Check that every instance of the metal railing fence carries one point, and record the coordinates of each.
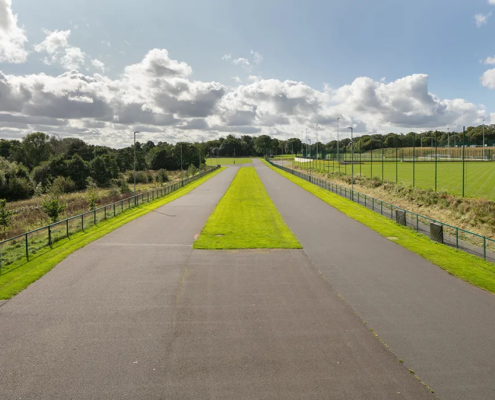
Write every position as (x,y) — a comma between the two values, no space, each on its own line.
(27,244)
(455,237)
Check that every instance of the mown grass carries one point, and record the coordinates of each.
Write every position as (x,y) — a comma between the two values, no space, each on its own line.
(21,273)
(228,161)
(246,218)
(479,177)
(472,269)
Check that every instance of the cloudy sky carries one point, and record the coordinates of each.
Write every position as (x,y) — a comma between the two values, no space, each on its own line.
(200,69)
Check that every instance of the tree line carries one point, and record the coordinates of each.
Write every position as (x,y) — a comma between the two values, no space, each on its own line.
(31,165)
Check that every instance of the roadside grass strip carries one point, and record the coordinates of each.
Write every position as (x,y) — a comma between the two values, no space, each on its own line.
(246,218)
(465,266)
(21,273)
(225,161)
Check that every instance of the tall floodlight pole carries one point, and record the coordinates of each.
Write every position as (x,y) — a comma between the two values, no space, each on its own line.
(317,141)
(311,162)
(483,153)
(338,144)
(302,143)
(306,132)
(352,162)
(135,166)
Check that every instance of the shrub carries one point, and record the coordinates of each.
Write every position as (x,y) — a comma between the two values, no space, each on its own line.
(15,183)
(114,190)
(141,177)
(162,176)
(192,170)
(92,198)
(124,187)
(4,217)
(53,207)
(63,185)
(38,190)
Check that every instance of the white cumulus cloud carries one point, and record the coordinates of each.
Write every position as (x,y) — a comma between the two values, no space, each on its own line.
(489,60)
(100,65)
(159,96)
(56,45)
(257,58)
(12,37)
(243,62)
(481,19)
(488,79)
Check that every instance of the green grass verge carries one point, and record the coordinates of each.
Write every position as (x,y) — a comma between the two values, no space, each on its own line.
(479,177)
(228,161)
(21,274)
(246,218)
(472,269)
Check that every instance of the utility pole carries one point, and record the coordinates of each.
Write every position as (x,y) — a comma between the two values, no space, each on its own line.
(135,166)
(483,153)
(317,141)
(352,162)
(338,144)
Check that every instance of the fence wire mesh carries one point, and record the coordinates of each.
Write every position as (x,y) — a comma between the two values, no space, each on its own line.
(453,236)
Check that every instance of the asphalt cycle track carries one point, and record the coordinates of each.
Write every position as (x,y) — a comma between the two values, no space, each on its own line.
(440,326)
(139,314)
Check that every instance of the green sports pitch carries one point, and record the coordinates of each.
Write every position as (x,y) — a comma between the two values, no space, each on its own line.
(479,177)
(227,161)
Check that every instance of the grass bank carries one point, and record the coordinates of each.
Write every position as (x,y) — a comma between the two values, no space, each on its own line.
(472,269)
(21,274)
(246,218)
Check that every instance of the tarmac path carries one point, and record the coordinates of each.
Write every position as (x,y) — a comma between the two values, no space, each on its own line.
(139,314)
(442,327)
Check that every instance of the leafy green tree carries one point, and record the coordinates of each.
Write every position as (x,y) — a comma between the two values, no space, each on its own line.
(293,145)
(15,182)
(158,158)
(262,144)
(190,155)
(91,194)
(4,217)
(78,170)
(103,169)
(53,208)
(162,176)
(52,205)
(230,146)
(192,170)
(124,187)
(37,148)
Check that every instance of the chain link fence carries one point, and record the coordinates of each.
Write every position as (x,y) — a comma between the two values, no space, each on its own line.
(453,236)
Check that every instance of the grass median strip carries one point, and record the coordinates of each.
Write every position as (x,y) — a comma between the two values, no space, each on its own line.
(246,218)
(472,269)
(21,274)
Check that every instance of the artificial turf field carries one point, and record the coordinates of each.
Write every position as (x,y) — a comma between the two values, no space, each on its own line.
(228,161)
(246,218)
(479,176)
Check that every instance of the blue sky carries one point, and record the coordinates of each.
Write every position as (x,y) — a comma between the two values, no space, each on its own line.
(324,44)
